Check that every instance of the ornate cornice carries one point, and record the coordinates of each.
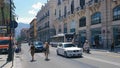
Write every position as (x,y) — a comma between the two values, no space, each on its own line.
(81,12)
(94,7)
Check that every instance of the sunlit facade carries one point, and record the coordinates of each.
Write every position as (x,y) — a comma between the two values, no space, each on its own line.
(95,20)
(98,21)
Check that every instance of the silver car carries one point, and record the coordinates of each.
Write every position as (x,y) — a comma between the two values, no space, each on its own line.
(69,50)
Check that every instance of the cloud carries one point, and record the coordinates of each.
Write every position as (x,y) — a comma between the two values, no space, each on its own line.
(37,6)
(26,20)
(32,12)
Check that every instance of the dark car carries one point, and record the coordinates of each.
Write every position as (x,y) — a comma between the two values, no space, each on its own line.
(38,46)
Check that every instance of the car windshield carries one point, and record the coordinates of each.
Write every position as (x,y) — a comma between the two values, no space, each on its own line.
(38,43)
(69,45)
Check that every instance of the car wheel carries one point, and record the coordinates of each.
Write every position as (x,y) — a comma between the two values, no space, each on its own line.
(58,53)
(65,54)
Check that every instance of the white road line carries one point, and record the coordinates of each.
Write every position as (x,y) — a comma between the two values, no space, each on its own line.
(101,60)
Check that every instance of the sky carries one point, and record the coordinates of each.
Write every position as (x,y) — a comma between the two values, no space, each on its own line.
(26,10)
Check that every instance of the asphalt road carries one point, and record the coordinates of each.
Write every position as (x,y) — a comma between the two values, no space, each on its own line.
(96,59)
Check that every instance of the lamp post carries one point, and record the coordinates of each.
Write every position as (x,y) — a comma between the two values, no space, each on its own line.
(10,50)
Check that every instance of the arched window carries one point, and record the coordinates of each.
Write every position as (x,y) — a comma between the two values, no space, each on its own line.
(82,22)
(96,18)
(72,6)
(65,11)
(116,13)
(65,27)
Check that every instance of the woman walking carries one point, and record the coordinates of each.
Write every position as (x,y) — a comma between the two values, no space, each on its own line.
(46,50)
(32,51)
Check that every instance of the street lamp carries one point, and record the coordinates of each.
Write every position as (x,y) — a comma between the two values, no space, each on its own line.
(10,50)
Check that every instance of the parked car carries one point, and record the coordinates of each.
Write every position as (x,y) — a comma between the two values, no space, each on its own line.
(69,50)
(38,46)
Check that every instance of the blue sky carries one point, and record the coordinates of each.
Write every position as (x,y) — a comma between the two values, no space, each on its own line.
(26,10)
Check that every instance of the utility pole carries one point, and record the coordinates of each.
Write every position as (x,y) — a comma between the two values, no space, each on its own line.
(10,49)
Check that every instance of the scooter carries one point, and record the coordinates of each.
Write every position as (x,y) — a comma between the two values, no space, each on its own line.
(87,50)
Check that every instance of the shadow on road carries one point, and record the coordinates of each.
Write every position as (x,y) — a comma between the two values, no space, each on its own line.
(32,60)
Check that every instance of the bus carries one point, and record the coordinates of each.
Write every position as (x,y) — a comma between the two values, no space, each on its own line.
(4,44)
(60,38)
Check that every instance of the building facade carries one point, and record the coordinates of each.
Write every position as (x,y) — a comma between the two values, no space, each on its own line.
(45,28)
(33,30)
(24,34)
(97,21)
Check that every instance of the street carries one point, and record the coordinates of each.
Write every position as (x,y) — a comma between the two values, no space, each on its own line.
(96,59)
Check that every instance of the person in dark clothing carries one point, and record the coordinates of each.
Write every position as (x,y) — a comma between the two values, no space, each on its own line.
(32,51)
(112,46)
(46,51)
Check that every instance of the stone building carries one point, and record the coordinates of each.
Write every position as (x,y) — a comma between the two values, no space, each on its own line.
(45,29)
(98,21)
(95,20)
(33,30)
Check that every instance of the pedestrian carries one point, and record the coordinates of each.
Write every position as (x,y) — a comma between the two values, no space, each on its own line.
(94,45)
(112,46)
(46,50)
(86,47)
(32,51)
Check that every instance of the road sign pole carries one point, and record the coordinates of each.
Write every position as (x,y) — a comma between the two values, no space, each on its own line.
(10,49)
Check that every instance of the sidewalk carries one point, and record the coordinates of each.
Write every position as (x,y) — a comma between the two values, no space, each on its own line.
(15,64)
(105,50)
(3,61)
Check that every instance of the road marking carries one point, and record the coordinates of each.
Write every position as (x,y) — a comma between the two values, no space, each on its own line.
(105,61)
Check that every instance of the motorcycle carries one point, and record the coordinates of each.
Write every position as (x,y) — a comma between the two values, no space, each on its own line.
(86,50)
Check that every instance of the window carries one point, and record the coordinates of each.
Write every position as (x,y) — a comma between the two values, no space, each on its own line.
(48,13)
(82,22)
(72,30)
(116,13)
(72,6)
(59,30)
(65,11)
(82,3)
(55,11)
(96,1)
(96,18)
(59,2)
(59,13)
(72,26)
(65,28)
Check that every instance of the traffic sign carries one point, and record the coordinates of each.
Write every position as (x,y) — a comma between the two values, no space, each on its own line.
(13,24)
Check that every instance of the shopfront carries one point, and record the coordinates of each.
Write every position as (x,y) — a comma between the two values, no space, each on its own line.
(96,39)
(82,37)
(116,34)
